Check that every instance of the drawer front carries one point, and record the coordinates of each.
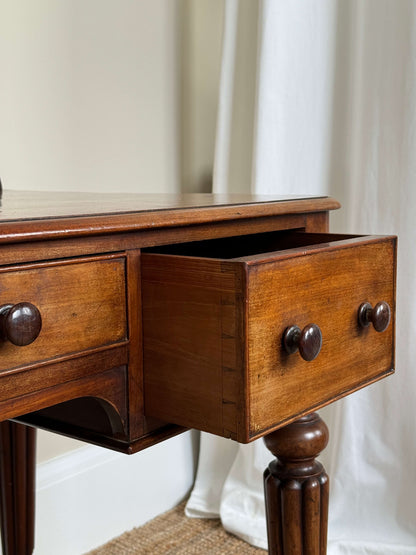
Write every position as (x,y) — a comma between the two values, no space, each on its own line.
(325,288)
(82,304)
(213,329)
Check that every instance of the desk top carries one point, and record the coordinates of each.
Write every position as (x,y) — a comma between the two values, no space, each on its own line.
(26,215)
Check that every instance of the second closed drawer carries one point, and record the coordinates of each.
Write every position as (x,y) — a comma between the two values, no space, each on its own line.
(215,315)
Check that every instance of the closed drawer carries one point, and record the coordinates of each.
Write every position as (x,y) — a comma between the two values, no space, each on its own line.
(81,302)
(215,314)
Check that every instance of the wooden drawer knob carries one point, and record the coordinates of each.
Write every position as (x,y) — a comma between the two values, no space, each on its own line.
(379,316)
(20,323)
(308,341)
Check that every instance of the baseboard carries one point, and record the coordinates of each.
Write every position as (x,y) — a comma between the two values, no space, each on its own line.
(91,495)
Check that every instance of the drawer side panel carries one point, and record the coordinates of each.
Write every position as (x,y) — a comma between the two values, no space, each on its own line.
(192,342)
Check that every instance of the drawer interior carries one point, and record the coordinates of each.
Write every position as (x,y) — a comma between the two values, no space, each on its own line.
(229,248)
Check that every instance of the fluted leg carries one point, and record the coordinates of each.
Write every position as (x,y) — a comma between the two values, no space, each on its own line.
(296,489)
(17,488)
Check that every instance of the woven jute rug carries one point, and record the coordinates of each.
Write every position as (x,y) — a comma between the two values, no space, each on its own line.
(174,533)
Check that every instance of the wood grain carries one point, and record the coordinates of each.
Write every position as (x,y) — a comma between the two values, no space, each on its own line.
(151,226)
(214,305)
(213,329)
(39,377)
(17,488)
(189,319)
(297,489)
(45,249)
(324,286)
(109,386)
(82,305)
(33,215)
(135,374)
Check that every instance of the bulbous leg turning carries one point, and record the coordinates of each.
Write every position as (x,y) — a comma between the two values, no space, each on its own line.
(297,489)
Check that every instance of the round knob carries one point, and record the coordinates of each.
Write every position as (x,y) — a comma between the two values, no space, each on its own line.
(308,341)
(20,323)
(379,316)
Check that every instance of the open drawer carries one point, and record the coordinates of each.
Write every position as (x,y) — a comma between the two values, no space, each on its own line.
(218,353)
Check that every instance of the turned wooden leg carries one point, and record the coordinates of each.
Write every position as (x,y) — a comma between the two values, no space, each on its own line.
(17,488)
(296,489)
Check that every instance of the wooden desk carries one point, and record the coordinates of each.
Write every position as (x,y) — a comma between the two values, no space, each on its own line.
(127,319)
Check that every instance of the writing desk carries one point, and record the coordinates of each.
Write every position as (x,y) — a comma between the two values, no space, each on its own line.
(126,319)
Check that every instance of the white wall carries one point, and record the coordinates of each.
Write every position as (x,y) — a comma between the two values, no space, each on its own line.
(201,29)
(89,95)
(91,495)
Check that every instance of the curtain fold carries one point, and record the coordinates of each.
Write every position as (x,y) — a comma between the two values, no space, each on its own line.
(332,110)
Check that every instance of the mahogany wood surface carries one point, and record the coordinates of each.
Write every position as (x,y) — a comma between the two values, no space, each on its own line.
(67,273)
(81,302)
(40,216)
(325,286)
(297,489)
(58,288)
(17,488)
(132,239)
(214,321)
(218,279)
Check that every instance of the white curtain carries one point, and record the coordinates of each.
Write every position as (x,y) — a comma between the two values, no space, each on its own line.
(328,105)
